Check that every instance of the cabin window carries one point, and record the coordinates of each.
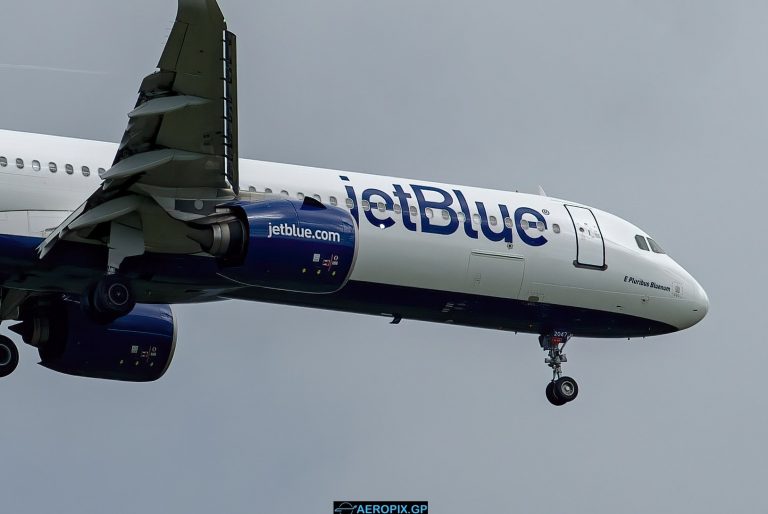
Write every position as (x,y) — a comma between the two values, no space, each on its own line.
(398,209)
(86,171)
(300,196)
(36,165)
(475,219)
(492,220)
(461,216)
(540,226)
(52,166)
(524,224)
(366,205)
(333,201)
(382,207)
(3,162)
(429,212)
(350,203)
(641,243)
(69,169)
(413,211)
(317,197)
(655,246)
(284,193)
(508,223)
(556,228)
(102,171)
(267,191)
(251,189)
(20,163)
(446,215)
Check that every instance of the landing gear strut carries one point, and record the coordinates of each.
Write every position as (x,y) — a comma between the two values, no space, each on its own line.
(561,389)
(9,356)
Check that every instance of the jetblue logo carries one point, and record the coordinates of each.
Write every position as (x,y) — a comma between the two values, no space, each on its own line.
(446,212)
(287,230)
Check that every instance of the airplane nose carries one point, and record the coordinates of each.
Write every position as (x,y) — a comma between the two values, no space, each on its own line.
(701,301)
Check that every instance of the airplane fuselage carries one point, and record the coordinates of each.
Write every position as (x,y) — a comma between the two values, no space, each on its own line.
(426,251)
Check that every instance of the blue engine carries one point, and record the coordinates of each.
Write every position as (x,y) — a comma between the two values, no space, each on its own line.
(293,246)
(135,348)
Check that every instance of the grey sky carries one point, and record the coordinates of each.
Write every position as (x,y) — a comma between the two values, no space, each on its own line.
(656,111)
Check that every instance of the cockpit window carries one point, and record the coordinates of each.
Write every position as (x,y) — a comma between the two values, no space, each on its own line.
(641,243)
(655,246)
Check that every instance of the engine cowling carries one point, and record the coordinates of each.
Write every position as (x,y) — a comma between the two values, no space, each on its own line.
(289,245)
(138,347)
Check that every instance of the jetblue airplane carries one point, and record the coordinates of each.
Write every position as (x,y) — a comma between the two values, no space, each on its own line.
(97,239)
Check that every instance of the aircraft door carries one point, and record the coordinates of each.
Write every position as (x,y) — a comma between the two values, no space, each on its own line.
(590,245)
(495,274)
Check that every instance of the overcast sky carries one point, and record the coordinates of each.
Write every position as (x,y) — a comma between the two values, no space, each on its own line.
(654,110)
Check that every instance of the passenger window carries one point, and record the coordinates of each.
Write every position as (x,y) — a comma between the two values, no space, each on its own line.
(102,171)
(382,206)
(3,162)
(366,205)
(300,196)
(524,224)
(540,226)
(52,166)
(284,193)
(333,201)
(69,169)
(413,211)
(655,246)
(86,171)
(317,197)
(429,212)
(36,165)
(20,163)
(508,223)
(475,219)
(350,203)
(251,189)
(641,242)
(446,215)
(492,220)
(556,228)
(461,216)
(268,191)
(398,209)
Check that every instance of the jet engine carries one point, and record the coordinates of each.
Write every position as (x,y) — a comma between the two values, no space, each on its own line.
(137,347)
(300,246)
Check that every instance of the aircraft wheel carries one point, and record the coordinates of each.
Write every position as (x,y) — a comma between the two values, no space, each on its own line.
(554,400)
(566,389)
(9,356)
(113,297)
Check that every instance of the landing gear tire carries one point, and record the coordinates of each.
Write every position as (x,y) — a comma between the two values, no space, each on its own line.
(554,400)
(9,356)
(111,298)
(565,389)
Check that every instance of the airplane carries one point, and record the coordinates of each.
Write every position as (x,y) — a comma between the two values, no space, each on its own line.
(97,239)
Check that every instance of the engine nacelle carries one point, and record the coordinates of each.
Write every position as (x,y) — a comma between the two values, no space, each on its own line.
(138,347)
(290,245)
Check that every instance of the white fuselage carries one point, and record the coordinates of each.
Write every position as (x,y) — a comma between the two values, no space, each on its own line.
(400,241)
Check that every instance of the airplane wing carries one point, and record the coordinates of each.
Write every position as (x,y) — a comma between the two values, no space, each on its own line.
(178,157)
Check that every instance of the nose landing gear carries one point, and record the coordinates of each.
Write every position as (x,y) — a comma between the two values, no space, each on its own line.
(561,389)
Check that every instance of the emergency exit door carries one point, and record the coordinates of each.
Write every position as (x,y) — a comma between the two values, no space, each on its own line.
(590,246)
